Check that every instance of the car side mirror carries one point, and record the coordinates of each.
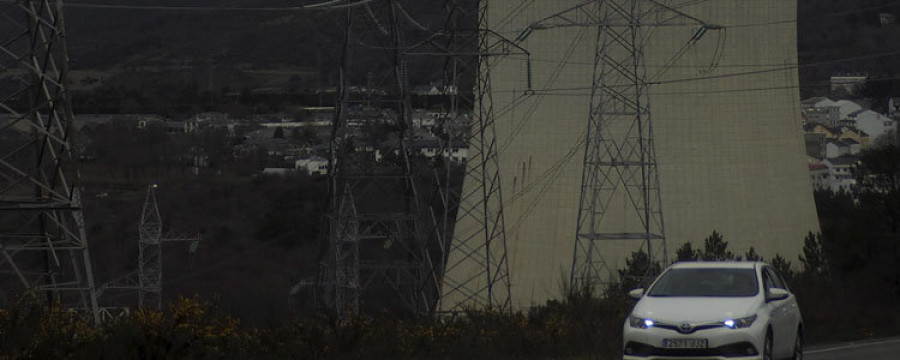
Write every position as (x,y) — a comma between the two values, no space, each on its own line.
(776,294)
(636,294)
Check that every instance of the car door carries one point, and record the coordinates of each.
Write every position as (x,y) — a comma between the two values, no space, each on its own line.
(791,310)
(782,329)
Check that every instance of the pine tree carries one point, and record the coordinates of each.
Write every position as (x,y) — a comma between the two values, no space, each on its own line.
(715,248)
(686,253)
(813,259)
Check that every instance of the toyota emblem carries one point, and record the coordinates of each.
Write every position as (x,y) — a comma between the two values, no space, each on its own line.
(685,327)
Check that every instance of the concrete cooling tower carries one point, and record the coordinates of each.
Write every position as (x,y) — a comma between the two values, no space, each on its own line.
(725,112)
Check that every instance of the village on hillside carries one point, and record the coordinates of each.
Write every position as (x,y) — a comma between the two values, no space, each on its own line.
(838,131)
(290,143)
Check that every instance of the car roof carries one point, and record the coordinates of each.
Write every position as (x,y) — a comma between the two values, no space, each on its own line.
(716,264)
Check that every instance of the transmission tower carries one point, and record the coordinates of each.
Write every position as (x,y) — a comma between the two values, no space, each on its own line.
(620,206)
(394,259)
(42,234)
(475,270)
(148,278)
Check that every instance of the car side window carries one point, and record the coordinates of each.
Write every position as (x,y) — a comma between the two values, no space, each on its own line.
(767,281)
(776,280)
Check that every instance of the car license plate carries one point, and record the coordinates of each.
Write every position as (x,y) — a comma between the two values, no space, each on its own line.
(685,343)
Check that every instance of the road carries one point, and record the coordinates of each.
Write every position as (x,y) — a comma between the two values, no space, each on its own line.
(884,349)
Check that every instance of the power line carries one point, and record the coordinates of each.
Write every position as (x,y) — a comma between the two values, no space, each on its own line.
(322,6)
(738,74)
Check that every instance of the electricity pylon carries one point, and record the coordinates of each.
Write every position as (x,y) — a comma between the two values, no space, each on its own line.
(42,233)
(474,271)
(394,260)
(148,278)
(620,204)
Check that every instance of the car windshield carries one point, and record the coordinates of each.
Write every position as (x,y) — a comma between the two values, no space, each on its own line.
(706,282)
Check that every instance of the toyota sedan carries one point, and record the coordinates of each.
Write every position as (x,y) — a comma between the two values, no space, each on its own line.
(715,310)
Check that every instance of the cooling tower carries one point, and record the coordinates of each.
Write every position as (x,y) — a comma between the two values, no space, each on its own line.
(726,123)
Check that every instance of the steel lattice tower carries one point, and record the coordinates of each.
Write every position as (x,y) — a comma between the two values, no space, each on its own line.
(479,238)
(620,205)
(620,158)
(147,279)
(394,265)
(150,253)
(346,253)
(42,231)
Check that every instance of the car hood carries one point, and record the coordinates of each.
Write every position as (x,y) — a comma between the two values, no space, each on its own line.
(694,309)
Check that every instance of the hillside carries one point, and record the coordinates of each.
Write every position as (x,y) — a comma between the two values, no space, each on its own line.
(841,37)
(223,48)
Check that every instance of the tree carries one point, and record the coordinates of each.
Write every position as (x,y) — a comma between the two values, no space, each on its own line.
(751,255)
(783,267)
(686,253)
(639,270)
(715,248)
(814,261)
(878,177)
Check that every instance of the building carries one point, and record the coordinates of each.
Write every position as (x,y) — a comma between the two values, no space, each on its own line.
(872,123)
(837,148)
(856,135)
(815,145)
(818,176)
(312,165)
(753,188)
(841,173)
(820,110)
(847,84)
(828,115)
(458,151)
(434,89)
(847,107)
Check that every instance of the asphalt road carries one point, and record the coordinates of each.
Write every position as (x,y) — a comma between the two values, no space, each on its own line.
(884,349)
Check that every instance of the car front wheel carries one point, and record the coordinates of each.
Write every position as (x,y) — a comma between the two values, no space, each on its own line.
(798,346)
(767,346)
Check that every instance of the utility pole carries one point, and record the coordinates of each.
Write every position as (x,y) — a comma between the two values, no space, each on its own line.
(43,241)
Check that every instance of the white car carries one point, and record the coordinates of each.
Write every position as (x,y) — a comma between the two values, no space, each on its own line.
(715,310)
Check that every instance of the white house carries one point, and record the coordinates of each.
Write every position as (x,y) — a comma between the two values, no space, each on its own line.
(826,115)
(818,175)
(313,165)
(872,123)
(847,107)
(817,102)
(458,151)
(836,148)
(840,173)
(822,110)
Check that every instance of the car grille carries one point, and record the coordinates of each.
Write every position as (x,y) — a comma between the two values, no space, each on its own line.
(691,328)
(730,350)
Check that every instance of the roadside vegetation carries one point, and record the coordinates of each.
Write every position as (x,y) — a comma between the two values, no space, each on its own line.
(837,305)
(847,280)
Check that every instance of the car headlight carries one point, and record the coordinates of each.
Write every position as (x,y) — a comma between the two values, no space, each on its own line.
(640,323)
(739,323)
